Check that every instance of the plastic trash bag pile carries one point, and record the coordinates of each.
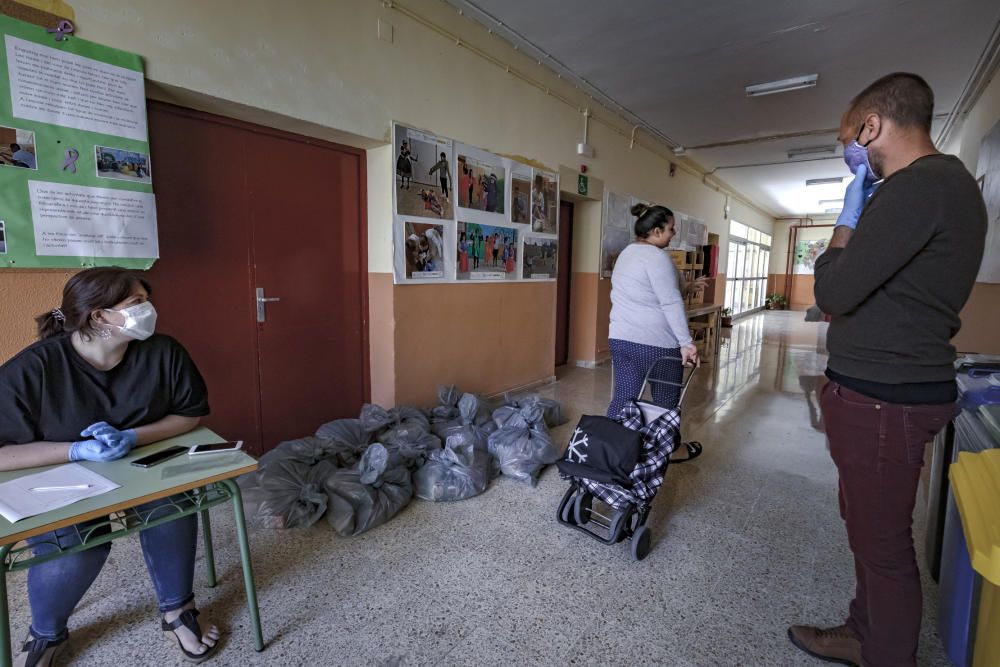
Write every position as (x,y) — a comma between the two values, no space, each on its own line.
(359,473)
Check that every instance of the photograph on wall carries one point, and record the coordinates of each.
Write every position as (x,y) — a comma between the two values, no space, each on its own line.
(122,165)
(424,250)
(486,252)
(806,254)
(480,184)
(424,184)
(988,170)
(545,203)
(540,258)
(615,240)
(520,195)
(17,148)
(3,239)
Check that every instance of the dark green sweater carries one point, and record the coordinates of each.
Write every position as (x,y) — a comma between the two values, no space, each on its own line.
(896,291)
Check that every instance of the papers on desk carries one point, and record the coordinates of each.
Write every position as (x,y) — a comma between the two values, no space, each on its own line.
(46,491)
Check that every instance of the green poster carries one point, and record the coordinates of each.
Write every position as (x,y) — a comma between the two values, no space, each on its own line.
(76,184)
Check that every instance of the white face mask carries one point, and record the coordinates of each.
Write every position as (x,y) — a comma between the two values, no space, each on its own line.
(140,320)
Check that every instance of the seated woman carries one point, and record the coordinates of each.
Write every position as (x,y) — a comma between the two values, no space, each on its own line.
(98,384)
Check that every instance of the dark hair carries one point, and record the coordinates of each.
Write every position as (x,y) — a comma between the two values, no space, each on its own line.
(648,218)
(443,156)
(904,98)
(15,147)
(87,291)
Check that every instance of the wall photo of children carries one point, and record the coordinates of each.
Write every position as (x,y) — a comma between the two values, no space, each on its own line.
(3,238)
(17,148)
(424,248)
(545,203)
(541,258)
(424,183)
(520,195)
(486,252)
(480,185)
(122,165)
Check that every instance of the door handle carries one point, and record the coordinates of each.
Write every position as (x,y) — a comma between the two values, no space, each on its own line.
(262,301)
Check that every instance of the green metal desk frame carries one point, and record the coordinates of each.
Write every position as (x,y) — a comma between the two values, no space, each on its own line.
(128,521)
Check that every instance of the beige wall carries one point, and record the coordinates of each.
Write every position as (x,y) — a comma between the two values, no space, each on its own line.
(321,69)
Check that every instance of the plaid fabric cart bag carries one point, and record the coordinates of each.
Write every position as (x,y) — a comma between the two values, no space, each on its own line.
(621,463)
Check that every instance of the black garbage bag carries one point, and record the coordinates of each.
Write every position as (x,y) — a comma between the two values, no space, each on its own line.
(367,495)
(447,408)
(310,450)
(467,427)
(349,437)
(286,494)
(523,446)
(402,422)
(551,409)
(457,472)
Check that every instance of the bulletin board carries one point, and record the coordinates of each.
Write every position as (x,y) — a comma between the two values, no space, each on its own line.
(465,214)
(76,181)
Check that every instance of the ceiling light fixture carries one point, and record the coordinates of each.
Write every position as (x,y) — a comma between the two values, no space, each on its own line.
(812,150)
(829,202)
(782,86)
(825,181)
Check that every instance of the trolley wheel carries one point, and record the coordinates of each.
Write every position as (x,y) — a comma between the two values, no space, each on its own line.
(581,510)
(640,543)
(566,507)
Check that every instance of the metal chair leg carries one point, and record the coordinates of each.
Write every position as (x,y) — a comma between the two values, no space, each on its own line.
(6,657)
(206,531)
(251,589)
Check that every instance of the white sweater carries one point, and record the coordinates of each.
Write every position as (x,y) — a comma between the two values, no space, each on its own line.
(646,302)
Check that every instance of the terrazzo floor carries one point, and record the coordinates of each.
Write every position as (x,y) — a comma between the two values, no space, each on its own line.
(747,540)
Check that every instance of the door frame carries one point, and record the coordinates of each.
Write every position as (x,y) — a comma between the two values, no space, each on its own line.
(362,198)
(566,247)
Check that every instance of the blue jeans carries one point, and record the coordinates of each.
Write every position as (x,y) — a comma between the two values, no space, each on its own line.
(57,586)
(630,363)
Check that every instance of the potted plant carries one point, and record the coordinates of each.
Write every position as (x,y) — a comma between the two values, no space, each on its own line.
(727,317)
(776,302)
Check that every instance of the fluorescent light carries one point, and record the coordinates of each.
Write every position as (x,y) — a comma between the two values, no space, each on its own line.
(825,181)
(826,202)
(782,86)
(812,150)
(835,210)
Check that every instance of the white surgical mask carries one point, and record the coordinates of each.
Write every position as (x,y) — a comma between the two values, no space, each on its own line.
(140,320)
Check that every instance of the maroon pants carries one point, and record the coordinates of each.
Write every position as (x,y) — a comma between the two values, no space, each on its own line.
(878,448)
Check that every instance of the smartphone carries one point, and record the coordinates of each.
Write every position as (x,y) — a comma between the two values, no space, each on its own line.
(216,448)
(159,457)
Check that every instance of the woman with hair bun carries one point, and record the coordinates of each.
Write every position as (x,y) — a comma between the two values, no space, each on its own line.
(648,320)
(98,384)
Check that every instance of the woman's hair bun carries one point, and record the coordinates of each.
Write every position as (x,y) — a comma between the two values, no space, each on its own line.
(639,210)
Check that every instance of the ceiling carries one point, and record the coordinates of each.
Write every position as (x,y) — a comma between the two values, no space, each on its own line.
(681,66)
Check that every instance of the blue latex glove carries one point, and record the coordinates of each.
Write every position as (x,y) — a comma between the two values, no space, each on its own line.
(857,194)
(95,450)
(111,436)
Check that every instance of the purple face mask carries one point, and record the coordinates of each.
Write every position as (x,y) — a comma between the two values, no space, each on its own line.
(856,155)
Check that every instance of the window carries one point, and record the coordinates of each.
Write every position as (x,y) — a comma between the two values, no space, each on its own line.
(749,260)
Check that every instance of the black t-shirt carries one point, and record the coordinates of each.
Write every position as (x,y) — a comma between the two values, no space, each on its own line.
(48,392)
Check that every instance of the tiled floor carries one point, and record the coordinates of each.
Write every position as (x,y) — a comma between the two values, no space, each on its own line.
(747,539)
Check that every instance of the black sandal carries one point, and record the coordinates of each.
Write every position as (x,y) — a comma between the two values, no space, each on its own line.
(693,449)
(189,620)
(39,652)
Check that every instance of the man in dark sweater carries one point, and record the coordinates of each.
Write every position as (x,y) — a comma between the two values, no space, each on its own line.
(903,259)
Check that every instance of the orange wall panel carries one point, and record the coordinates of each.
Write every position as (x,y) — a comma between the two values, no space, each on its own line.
(603,319)
(484,338)
(583,317)
(24,294)
(381,341)
(981,321)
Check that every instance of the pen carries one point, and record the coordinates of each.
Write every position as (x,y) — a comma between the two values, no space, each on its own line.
(61,488)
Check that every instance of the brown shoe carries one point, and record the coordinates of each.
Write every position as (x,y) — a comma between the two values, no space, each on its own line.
(838,644)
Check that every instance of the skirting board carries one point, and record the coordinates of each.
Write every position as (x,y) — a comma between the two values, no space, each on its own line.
(582,363)
(526,387)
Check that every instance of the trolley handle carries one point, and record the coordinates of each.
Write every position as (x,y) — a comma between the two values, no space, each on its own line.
(683,385)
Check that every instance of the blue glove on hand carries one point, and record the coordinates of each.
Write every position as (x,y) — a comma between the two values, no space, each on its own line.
(857,194)
(95,450)
(109,435)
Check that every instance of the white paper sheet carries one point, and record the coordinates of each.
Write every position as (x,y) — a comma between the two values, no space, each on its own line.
(18,501)
(77,221)
(52,86)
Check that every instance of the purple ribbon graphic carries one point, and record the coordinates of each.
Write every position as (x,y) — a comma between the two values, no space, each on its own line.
(62,30)
(72,155)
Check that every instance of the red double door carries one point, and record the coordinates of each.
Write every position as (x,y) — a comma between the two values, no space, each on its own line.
(245,212)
